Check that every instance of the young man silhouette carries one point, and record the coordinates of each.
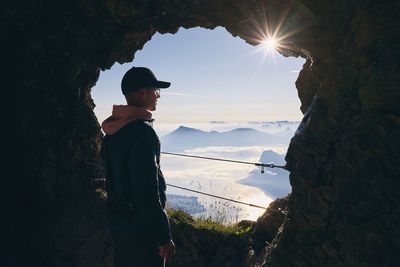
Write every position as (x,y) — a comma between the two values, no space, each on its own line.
(135,185)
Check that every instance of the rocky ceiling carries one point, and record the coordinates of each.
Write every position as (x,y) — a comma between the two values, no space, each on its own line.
(344,158)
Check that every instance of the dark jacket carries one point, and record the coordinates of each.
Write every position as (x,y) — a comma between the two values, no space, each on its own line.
(135,184)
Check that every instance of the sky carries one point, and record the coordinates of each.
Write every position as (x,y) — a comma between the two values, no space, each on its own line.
(214,77)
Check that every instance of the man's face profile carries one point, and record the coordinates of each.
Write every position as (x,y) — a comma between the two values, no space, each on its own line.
(148,98)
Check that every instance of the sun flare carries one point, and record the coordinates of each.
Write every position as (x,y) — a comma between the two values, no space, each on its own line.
(270,44)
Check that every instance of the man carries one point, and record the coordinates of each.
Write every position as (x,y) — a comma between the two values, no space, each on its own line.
(135,185)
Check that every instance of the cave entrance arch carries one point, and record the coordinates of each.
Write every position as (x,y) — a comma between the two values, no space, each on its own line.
(256,83)
(246,20)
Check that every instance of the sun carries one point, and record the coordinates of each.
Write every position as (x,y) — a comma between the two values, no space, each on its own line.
(270,44)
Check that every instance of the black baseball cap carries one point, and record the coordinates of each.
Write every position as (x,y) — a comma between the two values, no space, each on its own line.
(140,77)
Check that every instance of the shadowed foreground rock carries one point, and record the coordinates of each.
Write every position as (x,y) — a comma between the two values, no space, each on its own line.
(344,158)
(206,247)
(268,224)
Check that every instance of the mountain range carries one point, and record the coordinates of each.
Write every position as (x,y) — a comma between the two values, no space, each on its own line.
(186,138)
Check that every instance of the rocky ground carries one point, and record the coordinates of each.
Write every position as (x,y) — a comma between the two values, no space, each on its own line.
(207,245)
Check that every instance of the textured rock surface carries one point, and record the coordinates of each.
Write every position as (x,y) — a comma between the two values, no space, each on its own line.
(268,224)
(343,210)
(205,247)
(265,230)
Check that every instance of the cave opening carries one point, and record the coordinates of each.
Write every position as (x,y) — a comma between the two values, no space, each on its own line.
(219,84)
(343,158)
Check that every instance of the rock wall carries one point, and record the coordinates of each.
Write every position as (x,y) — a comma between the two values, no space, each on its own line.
(343,159)
(204,246)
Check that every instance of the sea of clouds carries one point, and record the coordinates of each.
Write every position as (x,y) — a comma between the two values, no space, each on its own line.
(235,181)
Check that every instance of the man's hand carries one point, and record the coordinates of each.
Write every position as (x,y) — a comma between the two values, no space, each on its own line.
(167,251)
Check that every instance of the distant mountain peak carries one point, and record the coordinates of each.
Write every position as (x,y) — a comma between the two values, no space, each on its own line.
(184,128)
(187,130)
(269,156)
(243,130)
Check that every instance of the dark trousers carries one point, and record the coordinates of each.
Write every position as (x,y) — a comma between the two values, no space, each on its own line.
(132,245)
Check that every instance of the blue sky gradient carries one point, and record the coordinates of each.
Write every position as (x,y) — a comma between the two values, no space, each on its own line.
(214,76)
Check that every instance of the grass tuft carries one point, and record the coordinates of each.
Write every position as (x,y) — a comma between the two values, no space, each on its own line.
(209,224)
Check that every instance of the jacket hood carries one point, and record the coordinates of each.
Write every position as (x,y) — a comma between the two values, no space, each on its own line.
(122,115)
